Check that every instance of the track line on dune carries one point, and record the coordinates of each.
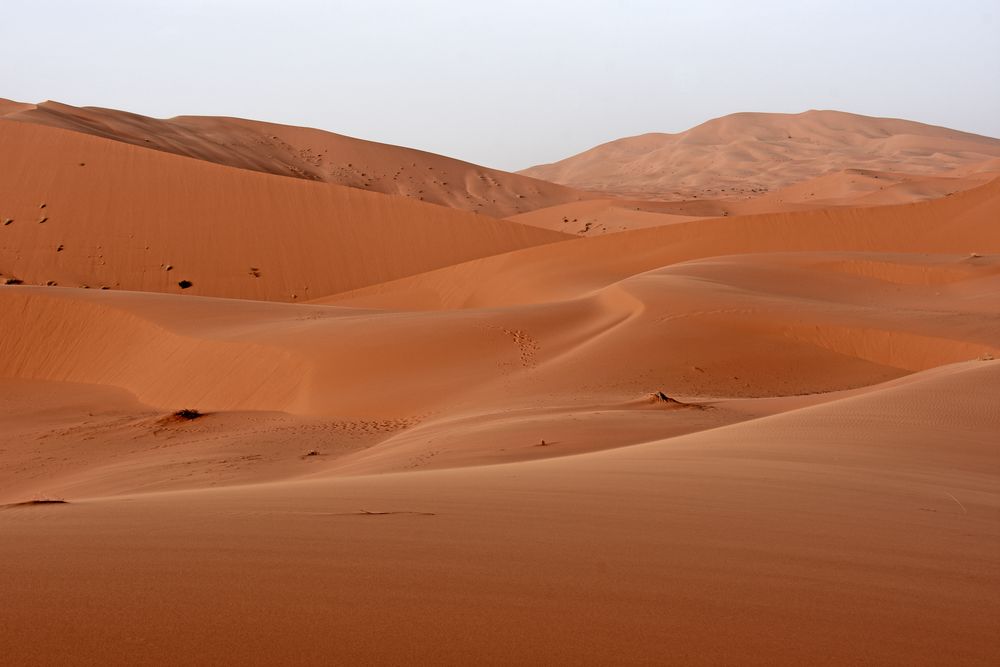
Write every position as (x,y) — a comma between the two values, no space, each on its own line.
(964,511)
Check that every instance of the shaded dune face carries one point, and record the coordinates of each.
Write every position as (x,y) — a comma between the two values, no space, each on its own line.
(89,211)
(309,154)
(710,431)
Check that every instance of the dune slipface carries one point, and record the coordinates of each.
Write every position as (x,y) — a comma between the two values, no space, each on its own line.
(309,154)
(557,428)
(120,216)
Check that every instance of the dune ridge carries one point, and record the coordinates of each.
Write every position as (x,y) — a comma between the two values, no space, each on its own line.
(309,154)
(88,211)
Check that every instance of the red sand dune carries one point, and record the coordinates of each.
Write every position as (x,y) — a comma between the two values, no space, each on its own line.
(739,431)
(309,154)
(88,211)
(962,224)
(744,154)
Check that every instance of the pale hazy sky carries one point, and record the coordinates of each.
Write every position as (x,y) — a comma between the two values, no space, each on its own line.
(508,83)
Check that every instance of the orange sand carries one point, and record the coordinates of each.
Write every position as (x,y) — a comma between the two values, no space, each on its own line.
(435,435)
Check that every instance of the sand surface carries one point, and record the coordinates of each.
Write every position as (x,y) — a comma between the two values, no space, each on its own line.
(567,428)
(309,154)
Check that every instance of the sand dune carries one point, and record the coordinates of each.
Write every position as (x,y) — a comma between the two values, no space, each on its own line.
(309,154)
(962,224)
(88,211)
(306,358)
(594,217)
(746,154)
(849,188)
(732,545)
(739,428)
(577,374)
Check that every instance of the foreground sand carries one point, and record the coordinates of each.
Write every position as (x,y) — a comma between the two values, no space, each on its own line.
(759,432)
(863,530)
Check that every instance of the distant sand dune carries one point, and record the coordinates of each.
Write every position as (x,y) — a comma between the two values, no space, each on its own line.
(744,154)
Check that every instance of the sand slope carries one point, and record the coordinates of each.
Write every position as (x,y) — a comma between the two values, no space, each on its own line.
(89,211)
(745,154)
(468,387)
(665,328)
(309,154)
(962,224)
(711,431)
(858,540)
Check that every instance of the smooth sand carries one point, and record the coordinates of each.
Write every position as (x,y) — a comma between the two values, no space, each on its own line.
(436,436)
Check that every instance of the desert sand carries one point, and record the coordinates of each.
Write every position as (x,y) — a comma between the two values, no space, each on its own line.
(655,411)
(747,153)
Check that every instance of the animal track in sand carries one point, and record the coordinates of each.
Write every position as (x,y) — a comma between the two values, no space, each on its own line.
(422,459)
(370,513)
(368,426)
(360,512)
(527,345)
(317,315)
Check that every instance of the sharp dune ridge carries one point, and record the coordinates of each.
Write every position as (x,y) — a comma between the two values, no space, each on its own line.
(308,154)
(728,396)
(126,217)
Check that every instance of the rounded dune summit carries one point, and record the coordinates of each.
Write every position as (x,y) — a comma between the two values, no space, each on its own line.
(744,154)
